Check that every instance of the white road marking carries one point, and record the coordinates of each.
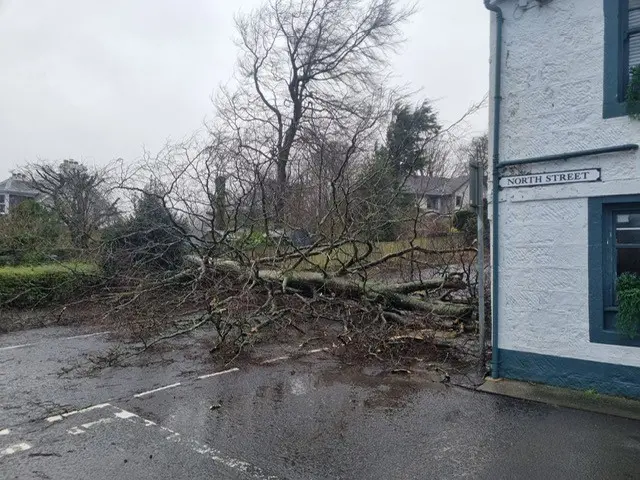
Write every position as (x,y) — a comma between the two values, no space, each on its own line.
(5,431)
(287,357)
(96,422)
(18,447)
(17,346)
(84,336)
(218,373)
(12,347)
(203,449)
(142,394)
(277,359)
(317,350)
(170,435)
(124,414)
(232,463)
(56,418)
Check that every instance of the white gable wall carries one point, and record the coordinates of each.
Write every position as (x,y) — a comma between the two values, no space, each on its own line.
(463,192)
(552,103)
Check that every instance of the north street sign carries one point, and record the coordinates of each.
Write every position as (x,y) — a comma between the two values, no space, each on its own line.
(551,178)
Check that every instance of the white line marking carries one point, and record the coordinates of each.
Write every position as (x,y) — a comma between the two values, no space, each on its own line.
(75,431)
(230,462)
(218,373)
(17,346)
(124,414)
(96,422)
(317,350)
(12,347)
(84,336)
(18,447)
(273,360)
(203,449)
(5,431)
(56,418)
(142,394)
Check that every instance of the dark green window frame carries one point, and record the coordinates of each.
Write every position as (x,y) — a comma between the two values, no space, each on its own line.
(616,57)
(602,274)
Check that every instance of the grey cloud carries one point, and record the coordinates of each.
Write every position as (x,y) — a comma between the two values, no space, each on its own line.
(97,80)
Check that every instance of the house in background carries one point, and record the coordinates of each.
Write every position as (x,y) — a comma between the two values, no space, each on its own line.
(439,194)
(14,191)
(565,191)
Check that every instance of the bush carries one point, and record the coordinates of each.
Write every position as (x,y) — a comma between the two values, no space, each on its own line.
(628,321)
(150,240)
(27,286)
(465,222)
(633,94)
(8,260)
(29,234)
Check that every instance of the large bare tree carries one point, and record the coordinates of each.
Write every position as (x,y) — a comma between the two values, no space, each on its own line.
(292,147)
(78,195)
(304,62)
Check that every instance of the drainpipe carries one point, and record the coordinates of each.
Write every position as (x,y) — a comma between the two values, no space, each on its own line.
(497,99)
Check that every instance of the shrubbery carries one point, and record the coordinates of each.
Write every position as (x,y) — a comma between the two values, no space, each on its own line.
(149,240)
(31,286)
(628,321)
(30,234)
(465,221)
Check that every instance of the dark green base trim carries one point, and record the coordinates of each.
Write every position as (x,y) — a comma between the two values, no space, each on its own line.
(606,378)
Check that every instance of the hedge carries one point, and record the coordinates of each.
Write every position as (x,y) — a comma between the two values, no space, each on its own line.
(31,286)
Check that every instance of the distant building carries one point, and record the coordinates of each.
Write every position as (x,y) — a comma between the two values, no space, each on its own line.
(14,191)
(439,194)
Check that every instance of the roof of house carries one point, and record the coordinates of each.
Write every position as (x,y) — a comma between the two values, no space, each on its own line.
(17,184)
(423,185)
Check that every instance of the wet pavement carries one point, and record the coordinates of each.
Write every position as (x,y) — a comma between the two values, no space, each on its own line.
(166,416)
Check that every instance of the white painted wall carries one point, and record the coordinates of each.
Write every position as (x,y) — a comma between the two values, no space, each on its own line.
(552,103)
(463,192)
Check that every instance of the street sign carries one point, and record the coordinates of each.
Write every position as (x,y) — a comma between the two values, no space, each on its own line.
(551,178)
(476,184)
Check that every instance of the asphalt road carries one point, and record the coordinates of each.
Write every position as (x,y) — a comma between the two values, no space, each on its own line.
(173,414)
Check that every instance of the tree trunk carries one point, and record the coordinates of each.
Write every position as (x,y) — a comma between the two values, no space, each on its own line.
(220,220)
(392,294)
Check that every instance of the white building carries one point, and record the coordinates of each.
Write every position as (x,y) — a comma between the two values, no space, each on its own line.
(440,194)
(566,178)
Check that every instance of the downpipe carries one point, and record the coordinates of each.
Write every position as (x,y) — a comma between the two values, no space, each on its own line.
(495,180)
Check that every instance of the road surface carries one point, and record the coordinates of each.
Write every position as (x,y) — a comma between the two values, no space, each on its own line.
(174,414)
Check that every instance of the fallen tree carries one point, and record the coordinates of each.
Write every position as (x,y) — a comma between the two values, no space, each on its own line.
(294,210)
(390,294)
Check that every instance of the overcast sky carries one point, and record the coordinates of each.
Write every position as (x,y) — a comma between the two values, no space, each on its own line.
(96,80)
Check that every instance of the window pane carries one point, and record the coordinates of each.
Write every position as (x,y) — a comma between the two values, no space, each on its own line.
(634,50)
(634,18)
(628,236)
(634,4)
(628,228)
(628,260)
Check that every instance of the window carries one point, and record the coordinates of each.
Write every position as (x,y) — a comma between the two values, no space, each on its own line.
(458,201)
(621,52)
(433,203)
(3,208)
(614,248)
